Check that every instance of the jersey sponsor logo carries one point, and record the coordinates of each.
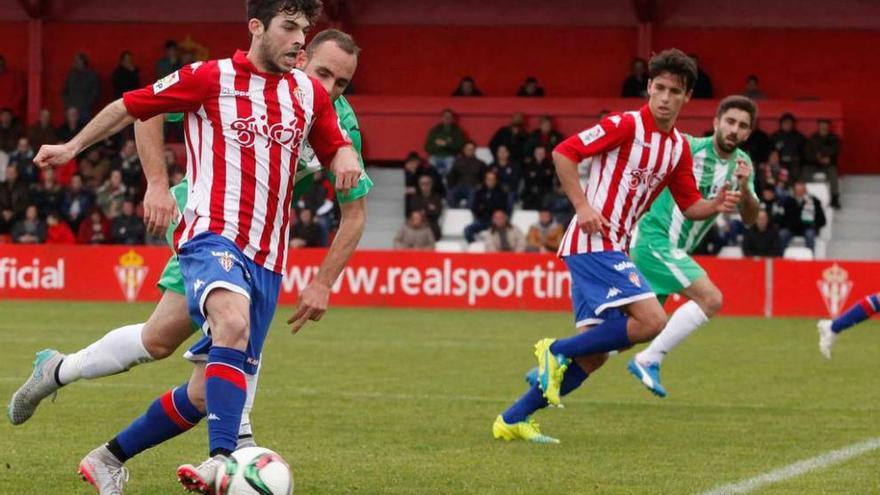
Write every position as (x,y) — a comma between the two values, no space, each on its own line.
(234,92)
(623,265)
(198,285)
(166,82)
(835,288)
(635,279)
(213,417)
(640,177)
(130,273)
(247,129)
(591,134)
(613,292)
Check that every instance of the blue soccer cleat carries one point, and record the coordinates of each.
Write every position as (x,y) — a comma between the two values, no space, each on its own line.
(648,375)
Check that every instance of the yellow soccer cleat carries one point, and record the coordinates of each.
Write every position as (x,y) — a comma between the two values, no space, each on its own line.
(527,430)
(551,369)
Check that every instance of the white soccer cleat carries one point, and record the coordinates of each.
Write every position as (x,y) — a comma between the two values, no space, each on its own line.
(103,470)
(38,386)
(201,479)
(826,337)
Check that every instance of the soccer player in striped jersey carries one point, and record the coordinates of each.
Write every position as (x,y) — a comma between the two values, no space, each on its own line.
(247,119)
(665,238)
(859,312)
(635,155)
(331,57)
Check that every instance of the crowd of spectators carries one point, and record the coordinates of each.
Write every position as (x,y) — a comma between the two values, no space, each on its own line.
(97,197)
(94,199)
(520,173)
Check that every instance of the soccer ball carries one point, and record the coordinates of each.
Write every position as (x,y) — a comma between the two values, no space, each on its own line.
(255,471)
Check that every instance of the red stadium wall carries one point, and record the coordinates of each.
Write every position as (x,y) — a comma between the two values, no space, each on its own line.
(755,287)
(428,60)
(14,45)
(825,64)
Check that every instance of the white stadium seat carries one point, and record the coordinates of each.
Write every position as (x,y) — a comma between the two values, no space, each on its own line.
(799,253)
(523,219)
(731,252)
(449,246)
(821,191)
(484,154)
(454,222)
(476,247)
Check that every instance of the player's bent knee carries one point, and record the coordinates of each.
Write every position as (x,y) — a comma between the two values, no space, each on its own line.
(652,324)
(157,350)
(712,303)
(229,329)
(157,346)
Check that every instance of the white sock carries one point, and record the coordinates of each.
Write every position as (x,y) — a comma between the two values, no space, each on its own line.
(113,353)
(245,429)
(682,323)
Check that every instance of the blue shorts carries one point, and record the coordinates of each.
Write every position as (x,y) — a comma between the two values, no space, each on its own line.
(603,282)
(209,262)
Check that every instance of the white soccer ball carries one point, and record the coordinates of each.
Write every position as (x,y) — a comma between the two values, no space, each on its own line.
(255,471)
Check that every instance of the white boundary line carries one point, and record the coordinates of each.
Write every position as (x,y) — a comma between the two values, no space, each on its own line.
(799,468)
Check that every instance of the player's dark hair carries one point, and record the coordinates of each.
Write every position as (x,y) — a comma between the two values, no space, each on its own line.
(266,10)
(740,103)
(675,62)
(343,40)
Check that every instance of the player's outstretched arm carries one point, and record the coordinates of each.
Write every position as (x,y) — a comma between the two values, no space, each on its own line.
(159,205)
(313,301)
(112,119)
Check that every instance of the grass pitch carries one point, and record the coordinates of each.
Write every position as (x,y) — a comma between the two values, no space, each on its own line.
(402,401)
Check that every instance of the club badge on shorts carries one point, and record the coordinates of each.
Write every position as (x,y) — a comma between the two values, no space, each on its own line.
(226,260)
(634,278)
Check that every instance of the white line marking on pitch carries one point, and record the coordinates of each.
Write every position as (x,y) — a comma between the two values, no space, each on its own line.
(799,468)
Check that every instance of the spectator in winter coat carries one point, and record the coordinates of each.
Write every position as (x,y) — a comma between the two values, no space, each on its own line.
(415,233)
(762,239)
(804,216)
(464,177)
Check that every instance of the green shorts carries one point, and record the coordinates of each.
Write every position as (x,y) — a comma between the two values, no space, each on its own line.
(669,270)
(171,278)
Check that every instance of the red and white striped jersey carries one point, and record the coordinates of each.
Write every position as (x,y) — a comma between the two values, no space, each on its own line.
(244,131)
(632,161)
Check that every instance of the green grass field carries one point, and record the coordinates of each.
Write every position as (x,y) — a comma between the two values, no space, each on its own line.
(402,401)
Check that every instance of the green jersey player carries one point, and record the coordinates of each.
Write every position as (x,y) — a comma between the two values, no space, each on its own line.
(331,58)
(665,239)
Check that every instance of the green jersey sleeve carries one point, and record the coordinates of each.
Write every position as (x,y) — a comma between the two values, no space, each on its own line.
(179,193)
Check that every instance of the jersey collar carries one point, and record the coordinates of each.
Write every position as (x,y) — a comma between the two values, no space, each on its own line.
(651,126)
(240,59)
